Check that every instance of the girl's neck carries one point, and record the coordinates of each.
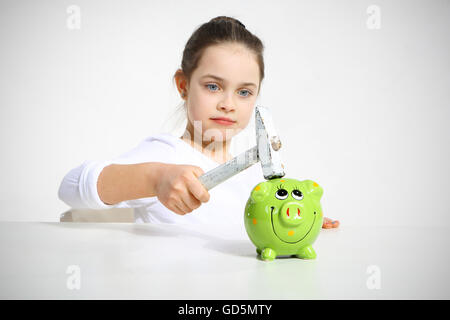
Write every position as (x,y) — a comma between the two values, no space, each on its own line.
(216,150)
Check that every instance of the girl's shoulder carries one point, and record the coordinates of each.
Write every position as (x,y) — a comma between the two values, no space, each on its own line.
(165,141)
(168,142)
(160,147)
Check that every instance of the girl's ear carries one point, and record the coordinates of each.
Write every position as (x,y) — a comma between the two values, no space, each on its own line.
(260,191)
(312,188)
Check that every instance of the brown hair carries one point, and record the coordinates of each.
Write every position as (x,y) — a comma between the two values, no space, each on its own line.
(220,30)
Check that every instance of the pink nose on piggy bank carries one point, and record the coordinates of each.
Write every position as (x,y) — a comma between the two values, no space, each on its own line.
(291,214)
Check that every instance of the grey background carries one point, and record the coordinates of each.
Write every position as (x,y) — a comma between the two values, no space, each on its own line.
(364,112)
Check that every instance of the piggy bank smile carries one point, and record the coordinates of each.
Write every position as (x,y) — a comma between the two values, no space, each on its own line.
(289,225)
(284,217)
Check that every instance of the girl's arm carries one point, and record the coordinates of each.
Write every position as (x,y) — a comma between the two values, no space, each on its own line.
(103,185)
(176,186)
(120,182)
(78,188)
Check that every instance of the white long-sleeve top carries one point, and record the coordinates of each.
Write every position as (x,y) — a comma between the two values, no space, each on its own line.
(227,201)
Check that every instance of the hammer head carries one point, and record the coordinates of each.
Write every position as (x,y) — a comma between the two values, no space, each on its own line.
(268,144)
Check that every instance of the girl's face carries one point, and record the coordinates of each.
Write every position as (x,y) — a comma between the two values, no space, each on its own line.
(224,85)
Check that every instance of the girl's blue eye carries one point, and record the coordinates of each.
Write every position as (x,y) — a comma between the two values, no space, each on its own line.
(248,93)
(212,84)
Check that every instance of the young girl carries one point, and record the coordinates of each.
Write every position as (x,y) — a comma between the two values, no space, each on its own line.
(220,77)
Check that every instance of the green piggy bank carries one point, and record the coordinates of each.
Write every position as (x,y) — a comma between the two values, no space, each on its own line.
(284,217)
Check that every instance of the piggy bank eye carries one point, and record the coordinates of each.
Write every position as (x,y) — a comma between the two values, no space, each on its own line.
(281,194)
(297,195)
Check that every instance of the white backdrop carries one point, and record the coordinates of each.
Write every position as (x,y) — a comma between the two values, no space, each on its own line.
(359,91)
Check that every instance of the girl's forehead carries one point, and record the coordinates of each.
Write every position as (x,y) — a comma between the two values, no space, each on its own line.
(229,62)
(226,53)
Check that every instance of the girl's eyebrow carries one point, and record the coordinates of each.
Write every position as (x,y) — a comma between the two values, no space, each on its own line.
(220,79)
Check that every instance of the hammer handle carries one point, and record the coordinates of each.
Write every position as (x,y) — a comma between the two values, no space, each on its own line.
(228,169)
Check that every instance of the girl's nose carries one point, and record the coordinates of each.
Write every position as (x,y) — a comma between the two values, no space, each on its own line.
(226,104)
(225,107)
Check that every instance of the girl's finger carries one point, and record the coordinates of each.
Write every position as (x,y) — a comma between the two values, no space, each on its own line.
(183,206)
(198,190)
(179,209)
(174,209)
(197,171)
(191,201)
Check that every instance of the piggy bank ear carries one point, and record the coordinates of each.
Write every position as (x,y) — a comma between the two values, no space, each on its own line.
(312,188)
(260,191)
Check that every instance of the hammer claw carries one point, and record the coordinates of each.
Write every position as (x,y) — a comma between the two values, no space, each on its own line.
(269,144)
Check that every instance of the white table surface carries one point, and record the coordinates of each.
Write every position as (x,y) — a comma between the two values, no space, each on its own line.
(145,261)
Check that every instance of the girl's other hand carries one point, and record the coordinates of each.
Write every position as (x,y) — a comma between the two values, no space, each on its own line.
(179,189)
(328,223)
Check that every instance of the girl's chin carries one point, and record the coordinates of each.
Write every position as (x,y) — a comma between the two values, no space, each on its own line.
(221,131)
(217,135)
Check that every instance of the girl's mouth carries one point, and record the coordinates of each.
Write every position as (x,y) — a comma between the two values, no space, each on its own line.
(223,121)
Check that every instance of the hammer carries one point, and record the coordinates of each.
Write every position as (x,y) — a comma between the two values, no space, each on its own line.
(266,151)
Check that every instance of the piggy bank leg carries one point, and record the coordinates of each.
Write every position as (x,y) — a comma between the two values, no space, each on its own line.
(306,253)
(258,251)
(268,254)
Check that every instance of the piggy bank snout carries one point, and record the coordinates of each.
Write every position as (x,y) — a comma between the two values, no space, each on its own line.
(291,213)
